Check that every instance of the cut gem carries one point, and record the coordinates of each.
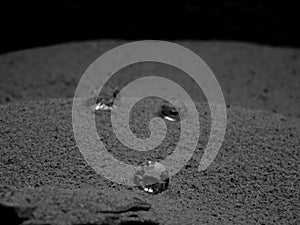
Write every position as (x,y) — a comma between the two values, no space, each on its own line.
(173,113)
(169,113)
(101,106)
(107,99)
(152,178)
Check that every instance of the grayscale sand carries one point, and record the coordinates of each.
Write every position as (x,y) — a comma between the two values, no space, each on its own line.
(252,76)
(255,178)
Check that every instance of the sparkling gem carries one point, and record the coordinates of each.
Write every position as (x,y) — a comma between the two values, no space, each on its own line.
(173,113)
(152,178)
(101,106)
(169,113)
(106,100)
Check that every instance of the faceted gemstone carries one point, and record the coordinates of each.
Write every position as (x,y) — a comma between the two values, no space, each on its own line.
(173,113)
(152,178)
(169,113)
(101,106)
(106,100)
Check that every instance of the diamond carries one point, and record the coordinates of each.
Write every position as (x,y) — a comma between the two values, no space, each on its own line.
(105,101)
(169,113)
(173,113)
(101,106)
(152,178)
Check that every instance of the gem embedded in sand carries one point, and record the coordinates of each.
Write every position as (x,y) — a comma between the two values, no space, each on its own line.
(105,101)
(152,178)
(169,113)
(173,113)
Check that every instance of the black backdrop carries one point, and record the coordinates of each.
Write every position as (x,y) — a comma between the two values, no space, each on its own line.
(26,24)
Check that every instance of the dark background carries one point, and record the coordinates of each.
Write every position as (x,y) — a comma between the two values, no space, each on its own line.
(28,24)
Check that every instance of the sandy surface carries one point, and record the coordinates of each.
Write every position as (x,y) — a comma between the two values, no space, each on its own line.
(255,178)
(253,76)
(45,180)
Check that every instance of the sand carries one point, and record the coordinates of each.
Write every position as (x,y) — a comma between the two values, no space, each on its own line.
(252,76)
(254,179)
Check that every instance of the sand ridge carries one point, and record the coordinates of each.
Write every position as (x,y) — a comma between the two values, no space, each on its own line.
(250,75)
(254,179)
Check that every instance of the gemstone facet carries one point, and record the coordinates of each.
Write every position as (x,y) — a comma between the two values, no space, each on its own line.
(152,178)
(101,106)
(173,113)
(107,99)
(169,113)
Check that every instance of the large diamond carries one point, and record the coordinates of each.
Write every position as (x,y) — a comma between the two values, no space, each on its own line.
(152,178)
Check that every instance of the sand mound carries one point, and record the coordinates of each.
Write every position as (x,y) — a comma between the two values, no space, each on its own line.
(45,180)
(252,76)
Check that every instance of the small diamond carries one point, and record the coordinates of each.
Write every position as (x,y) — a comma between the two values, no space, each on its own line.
(107,99)
(101,106)
(169,113)
(173,113)
(152,178)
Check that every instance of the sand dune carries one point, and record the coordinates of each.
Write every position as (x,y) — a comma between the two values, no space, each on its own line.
(253,180)
(252,76)
(45,180)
